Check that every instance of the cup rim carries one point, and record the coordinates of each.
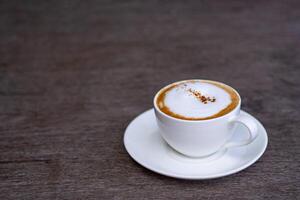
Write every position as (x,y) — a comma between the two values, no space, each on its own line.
(200,120)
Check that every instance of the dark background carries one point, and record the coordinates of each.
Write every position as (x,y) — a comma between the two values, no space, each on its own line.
(73,74)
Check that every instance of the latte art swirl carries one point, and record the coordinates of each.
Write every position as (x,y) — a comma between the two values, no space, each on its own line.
(197,100)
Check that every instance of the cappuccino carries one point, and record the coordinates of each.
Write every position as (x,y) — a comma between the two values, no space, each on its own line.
(197,100)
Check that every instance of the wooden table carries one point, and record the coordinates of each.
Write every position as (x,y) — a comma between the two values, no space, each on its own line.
(73,74)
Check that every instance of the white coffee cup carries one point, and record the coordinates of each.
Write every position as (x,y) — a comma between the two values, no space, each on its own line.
(201,138)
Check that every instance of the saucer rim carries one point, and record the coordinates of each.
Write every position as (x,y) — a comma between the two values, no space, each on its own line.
(195,177)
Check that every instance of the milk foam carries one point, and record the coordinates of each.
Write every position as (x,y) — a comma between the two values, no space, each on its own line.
(180,100)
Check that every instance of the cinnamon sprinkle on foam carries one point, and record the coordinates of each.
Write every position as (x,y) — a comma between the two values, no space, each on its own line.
(202,98)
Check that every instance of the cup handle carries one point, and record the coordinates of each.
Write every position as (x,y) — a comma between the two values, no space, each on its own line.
(251,125)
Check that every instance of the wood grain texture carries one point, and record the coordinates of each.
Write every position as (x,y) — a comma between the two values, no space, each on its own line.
(73,74)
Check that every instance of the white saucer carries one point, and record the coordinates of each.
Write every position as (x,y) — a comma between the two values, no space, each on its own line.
(145,145)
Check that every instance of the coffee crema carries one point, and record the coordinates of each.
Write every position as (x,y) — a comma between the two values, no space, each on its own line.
(197,99)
